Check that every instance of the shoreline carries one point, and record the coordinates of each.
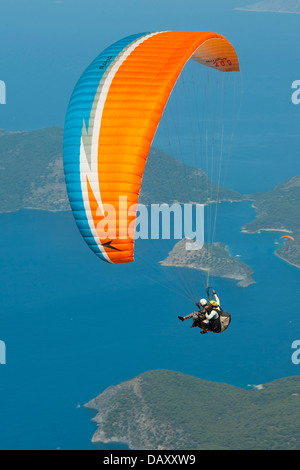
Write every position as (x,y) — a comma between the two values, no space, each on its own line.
(243,230)
(140,437)
(206,203)
(34,209)
(269,11)
(275,252)
(241,282)
(286,261)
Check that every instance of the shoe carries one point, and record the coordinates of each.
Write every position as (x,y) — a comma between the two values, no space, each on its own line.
(181,318)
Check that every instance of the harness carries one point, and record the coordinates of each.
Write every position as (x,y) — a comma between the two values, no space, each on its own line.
(223,320)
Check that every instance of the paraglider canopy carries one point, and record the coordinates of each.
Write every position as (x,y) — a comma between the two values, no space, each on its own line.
(287,236)
(112,117)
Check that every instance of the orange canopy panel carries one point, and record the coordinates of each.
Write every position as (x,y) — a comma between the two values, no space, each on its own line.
(112,117)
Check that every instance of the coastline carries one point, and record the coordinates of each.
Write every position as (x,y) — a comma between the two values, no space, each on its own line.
(243,230)
(141,427)
(285,260)
(269,11)
(34,209)
(241,281)
(275,251)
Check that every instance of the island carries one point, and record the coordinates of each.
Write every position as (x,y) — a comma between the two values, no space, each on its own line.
(274,6)
(155,411)
(216,256)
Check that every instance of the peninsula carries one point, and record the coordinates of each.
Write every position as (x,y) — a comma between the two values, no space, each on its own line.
(154,411)
(32,175)
(273,6)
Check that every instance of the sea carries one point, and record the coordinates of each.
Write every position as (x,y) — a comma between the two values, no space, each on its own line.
(74,325)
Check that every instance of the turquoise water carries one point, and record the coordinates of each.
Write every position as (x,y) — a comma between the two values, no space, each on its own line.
(74,325)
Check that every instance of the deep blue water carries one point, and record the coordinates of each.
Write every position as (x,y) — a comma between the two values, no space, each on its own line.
(74,325)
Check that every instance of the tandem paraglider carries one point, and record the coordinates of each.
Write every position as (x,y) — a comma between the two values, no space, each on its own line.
(113,115)
(210,316)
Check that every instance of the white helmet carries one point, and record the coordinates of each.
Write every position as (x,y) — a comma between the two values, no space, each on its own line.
(203,302)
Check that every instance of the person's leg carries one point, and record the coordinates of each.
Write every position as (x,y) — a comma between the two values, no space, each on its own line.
(204,327)
(191,315)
